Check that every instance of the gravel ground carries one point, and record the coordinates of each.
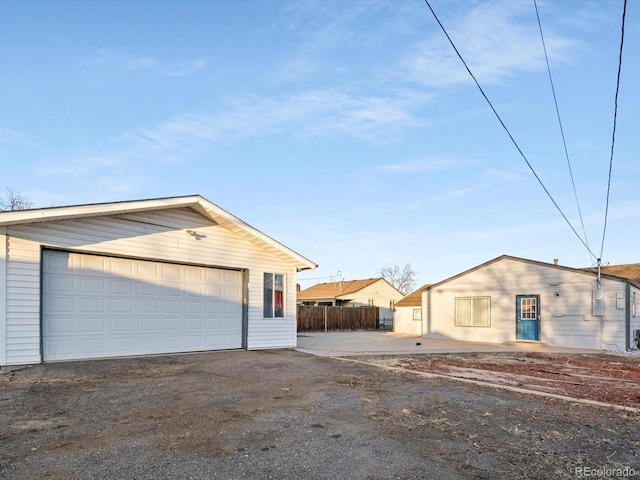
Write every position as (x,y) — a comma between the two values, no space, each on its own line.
(286,415)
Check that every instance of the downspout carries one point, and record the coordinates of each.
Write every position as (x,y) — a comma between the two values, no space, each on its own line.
(627,316)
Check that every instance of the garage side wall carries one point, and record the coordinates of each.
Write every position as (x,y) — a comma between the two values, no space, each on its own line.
(565,306)
(160,236)
(3,296)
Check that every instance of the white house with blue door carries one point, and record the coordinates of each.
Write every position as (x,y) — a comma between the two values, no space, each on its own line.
(514,299)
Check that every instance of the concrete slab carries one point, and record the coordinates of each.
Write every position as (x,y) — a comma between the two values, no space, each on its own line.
(344,344)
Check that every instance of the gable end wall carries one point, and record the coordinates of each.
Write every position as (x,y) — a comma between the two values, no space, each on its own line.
(566,318)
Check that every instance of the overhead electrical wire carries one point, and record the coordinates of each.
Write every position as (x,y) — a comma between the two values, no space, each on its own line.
(613,135)
(564,142)
(507,130)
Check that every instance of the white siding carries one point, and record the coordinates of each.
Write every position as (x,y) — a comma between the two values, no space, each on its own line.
(158,235)
(382,293)
(3,296)
(566,318)
(403,321)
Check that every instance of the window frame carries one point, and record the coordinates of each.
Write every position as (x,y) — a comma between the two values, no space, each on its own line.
(417,314)
(272,306)
(473,320)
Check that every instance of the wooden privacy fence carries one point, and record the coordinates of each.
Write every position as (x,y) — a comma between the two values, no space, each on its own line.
(321,319)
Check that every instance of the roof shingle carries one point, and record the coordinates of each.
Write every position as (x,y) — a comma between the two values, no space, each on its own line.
(414,299)
(335,289)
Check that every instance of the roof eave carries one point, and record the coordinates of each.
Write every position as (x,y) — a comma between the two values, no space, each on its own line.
(196,202)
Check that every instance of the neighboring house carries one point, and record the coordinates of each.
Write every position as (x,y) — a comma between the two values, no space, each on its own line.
(513,299)
(407,317)
(375,292)
(141,277)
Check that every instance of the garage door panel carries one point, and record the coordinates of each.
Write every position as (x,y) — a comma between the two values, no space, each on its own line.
(172,323)
(59,283)
(147,289)
(119,325)
(171,307)
(122,306)
(170,291)
(123,268)
(92,263)
(170,273)
(122,346)
(171,344)
(102,307)
(193,307)
(60,304)
(92,305)
(90,285)
(93,325)
(213,277)
(213,307)
(121,287)
(61,325)
(59,348)
(147,270)
(147,324)
(193,275)
(214,324)
(230,308)
(147,306)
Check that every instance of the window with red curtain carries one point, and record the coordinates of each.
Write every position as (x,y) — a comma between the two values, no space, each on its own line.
(273,295)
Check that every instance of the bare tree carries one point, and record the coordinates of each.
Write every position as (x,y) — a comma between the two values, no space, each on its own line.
(14,200)
(403,279)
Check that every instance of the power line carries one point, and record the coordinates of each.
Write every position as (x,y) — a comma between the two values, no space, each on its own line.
(613,135)
(564,142)
(507,130)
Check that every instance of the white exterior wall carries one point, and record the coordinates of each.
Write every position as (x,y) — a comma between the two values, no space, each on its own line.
(3,296)
(156,236)
(382,294)
(403,321)
(565,320)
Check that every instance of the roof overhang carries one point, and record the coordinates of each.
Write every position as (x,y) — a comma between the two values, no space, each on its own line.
(195,202)
(581,271)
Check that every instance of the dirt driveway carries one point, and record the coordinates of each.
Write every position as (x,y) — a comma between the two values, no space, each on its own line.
(287,415)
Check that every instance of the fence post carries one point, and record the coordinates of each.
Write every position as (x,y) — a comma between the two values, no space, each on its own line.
(325,319)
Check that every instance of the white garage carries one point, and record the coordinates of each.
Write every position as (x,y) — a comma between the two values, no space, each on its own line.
(137,278)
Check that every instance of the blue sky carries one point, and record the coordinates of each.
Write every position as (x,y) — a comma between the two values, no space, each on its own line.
(347,130)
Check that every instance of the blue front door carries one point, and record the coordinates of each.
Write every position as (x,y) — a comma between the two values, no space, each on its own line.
(528,317)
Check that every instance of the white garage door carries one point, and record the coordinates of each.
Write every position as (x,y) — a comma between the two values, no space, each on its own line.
(97,306)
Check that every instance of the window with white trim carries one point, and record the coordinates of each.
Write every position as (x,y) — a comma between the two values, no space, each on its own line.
(273,306)
(473,312)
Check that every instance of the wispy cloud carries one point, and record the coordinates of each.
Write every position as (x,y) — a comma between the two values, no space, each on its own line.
(104,177)
(183,69)
(81,163)
(422,165)
(13,137)
(313,114)
(150,64)
(495,41)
